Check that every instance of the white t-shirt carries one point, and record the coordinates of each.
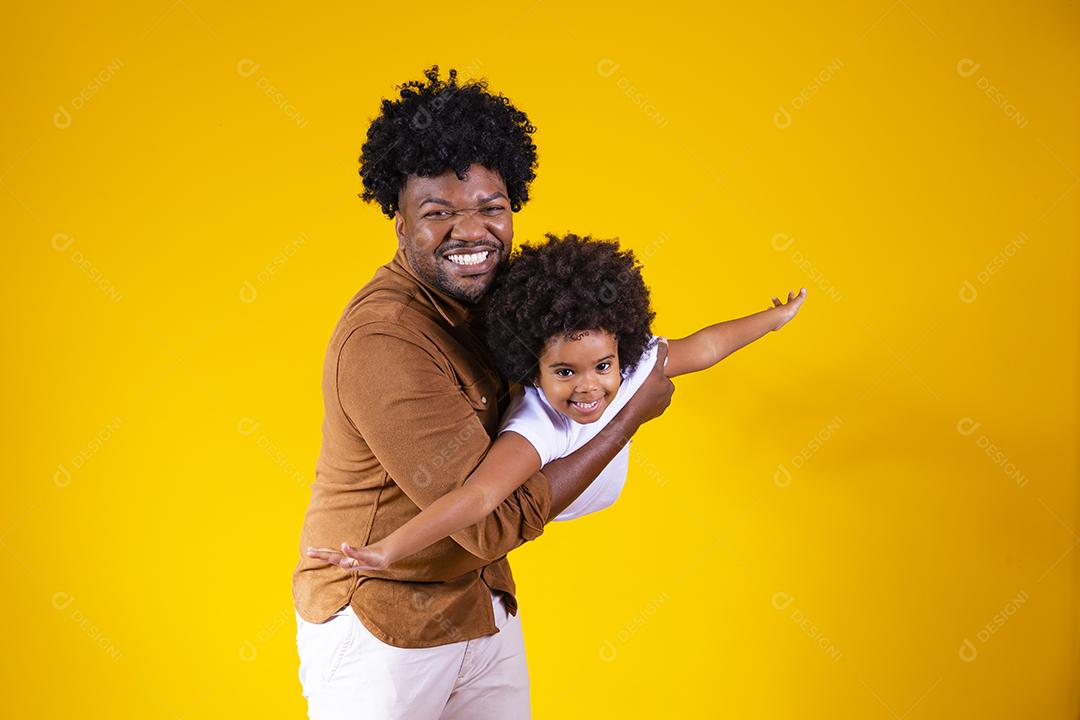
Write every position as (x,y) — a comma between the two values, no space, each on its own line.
(554,435)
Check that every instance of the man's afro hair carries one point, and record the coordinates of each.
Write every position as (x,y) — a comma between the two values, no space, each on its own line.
(439,125)
(560,287)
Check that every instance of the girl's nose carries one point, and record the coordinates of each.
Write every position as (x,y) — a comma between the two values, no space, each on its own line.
(586,383)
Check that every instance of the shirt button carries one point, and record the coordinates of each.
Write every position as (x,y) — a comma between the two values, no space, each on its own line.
(484,399)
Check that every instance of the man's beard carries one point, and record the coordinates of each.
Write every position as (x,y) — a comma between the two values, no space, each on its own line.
(469,292)
(437,275)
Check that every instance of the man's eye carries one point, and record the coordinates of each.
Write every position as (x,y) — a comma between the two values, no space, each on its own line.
(603,367)
(563,372)
(493,209)
(438,213)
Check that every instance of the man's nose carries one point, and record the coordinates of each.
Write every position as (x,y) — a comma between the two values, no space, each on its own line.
(469,227)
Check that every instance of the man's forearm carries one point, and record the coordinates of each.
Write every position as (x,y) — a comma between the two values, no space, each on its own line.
(571,475)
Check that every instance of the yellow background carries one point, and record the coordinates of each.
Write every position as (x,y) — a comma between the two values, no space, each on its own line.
(871,514)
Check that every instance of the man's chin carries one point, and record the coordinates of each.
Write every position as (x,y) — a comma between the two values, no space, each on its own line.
(463,284)
(471,288)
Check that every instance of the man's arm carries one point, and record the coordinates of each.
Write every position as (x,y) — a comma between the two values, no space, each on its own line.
(427,436)
(511,461)
(439,423)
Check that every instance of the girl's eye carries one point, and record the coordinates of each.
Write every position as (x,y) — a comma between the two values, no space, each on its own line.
(603,367)
(563,372)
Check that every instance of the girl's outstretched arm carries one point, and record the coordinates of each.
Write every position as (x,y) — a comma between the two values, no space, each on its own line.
(710,345)
(510,462)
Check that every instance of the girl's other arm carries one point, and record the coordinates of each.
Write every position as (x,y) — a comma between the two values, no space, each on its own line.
(510,462)
(710,345)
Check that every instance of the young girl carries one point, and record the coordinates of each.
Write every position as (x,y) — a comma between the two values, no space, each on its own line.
(570,320)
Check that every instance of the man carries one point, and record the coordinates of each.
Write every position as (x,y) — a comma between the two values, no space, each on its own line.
(411,404)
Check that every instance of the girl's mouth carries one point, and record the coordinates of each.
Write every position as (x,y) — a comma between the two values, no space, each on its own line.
(586,408)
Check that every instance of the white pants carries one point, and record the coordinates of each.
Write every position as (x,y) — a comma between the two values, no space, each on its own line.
(348,673)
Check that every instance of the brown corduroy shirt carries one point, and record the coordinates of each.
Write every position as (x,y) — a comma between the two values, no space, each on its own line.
(411,406)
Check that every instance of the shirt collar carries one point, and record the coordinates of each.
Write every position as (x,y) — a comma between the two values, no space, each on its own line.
(454,311)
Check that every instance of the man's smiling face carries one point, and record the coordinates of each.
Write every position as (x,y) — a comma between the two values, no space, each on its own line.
(456,232)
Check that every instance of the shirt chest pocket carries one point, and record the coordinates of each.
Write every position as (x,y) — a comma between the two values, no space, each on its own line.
(482,392)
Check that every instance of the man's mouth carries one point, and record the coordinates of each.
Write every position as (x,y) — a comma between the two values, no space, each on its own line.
(469,259)
(472,261)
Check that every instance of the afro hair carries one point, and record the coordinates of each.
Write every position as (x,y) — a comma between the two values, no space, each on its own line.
(561,287)
(438,125)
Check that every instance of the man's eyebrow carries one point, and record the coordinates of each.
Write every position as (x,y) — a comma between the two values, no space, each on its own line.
(447,203)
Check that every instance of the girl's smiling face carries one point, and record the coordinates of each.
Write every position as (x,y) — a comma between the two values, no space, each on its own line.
(580,373)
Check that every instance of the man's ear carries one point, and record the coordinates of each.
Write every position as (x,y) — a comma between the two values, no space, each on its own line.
(399,227)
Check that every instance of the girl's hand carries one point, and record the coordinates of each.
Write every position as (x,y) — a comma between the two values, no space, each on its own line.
(350,558)
(785,312)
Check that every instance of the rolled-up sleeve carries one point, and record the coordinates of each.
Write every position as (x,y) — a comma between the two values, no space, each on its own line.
(410,410)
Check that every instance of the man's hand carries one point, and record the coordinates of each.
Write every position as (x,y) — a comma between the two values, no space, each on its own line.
(654,395)
(350,558)
(784,312)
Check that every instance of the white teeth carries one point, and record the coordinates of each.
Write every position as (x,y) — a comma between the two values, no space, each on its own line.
(470,259)
(586,406)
